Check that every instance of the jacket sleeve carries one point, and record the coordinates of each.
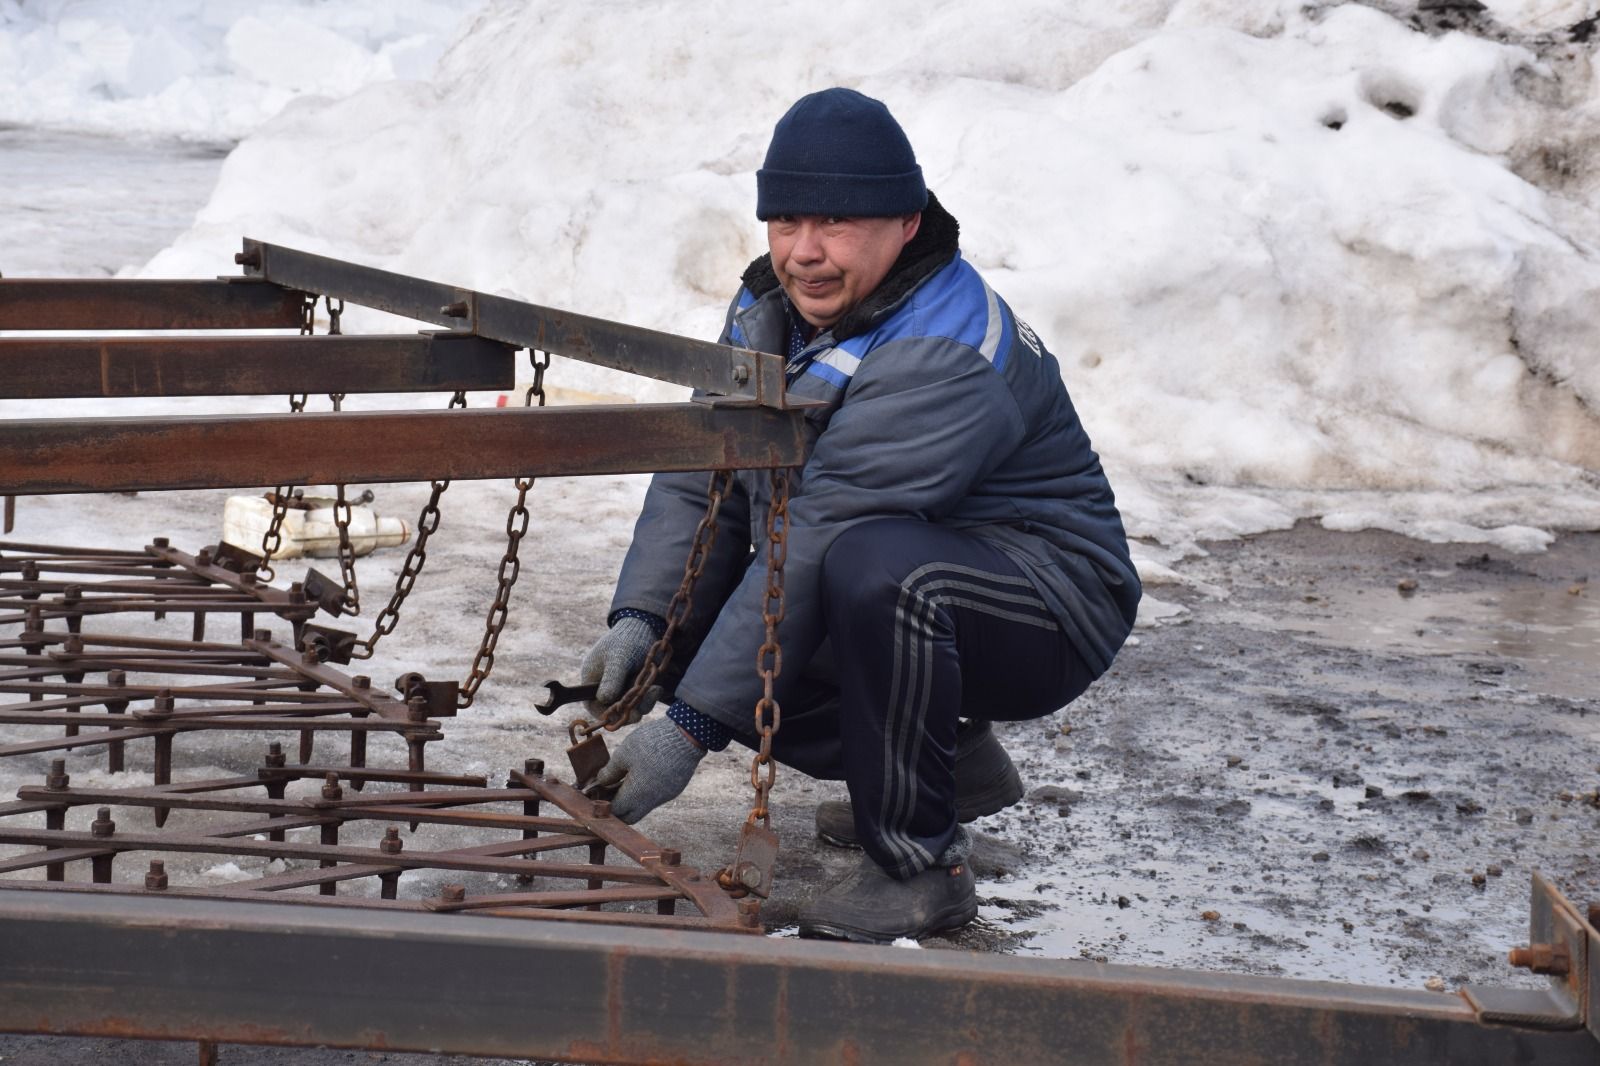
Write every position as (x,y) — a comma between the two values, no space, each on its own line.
(923,421)
(663,533)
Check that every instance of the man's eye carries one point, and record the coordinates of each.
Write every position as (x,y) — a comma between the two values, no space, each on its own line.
(835,220)
(787,220)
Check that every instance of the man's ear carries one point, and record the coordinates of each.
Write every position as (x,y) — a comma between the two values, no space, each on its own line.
(909,225)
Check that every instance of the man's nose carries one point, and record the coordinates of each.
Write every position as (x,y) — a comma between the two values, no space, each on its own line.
(808,243)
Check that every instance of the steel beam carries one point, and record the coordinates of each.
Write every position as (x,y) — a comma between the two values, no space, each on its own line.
(715,368)
(128,454)
(49,368)
(86,963)
(124,303)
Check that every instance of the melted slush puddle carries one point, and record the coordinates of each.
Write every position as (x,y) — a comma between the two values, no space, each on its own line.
(1552,633)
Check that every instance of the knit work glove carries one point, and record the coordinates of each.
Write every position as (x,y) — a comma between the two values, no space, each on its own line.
(613,661)
(652,766)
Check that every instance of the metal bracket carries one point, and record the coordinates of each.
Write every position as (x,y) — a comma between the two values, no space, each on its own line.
(331,645)
(1562,944)
(441,697)
(328,593)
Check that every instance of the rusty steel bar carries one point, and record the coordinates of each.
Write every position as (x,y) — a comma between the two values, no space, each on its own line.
(130,454)
(755,377)
(122,303)
(56,367)
(88,963)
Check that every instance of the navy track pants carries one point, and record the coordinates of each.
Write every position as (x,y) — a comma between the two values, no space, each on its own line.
(926,625)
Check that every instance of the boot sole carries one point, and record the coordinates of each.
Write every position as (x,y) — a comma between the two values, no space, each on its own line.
(953,918)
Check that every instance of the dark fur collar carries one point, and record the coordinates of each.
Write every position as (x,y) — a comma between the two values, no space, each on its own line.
(936,242)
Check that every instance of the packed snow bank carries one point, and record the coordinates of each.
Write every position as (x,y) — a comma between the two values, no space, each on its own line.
(206,70)
(1287,258)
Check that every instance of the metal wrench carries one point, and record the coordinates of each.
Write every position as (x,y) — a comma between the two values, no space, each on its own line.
(561,695)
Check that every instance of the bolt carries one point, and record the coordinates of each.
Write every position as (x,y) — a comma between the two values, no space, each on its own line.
(297,592)
(35,620)
(453,894)
(247,579)
(417,709)
(671,856)
(601,809)
(741,374)
(103,826)
(361,681)
(203,557)
(116,678)
(749,875)
(275,757)
(1552,959)
(57,780)
(455,310)
(252,258)
(161,706)
(533,767)
(309,656)
(263,635)
(73,593)
(330,787)
(162,542)
(750,913)
(391,843)
(73,645)
(156,879)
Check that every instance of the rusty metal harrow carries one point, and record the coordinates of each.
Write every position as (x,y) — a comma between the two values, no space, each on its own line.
(67,690)
(507,843)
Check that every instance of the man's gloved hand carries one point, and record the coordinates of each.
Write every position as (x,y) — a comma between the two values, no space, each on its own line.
(613,661)
(652,766)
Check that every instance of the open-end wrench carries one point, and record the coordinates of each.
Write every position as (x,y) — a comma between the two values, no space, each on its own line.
(561,695)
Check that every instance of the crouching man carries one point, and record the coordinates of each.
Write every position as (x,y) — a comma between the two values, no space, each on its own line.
(955,555)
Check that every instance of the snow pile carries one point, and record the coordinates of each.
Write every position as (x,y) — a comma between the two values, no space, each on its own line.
(208,70)
(1295,260)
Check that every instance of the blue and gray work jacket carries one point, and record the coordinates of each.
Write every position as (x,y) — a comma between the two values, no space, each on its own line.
(940,405)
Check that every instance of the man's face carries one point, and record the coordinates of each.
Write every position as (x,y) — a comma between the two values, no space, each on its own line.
(828,265)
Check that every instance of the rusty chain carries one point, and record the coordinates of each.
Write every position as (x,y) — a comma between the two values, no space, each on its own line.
(416,559)
(769,660)
(510,565)
(341,506)
(660,653)
(272,539)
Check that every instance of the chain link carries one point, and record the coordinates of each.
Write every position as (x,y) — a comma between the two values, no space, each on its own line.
(660,654)
(539,367)
(510,567)
(347,551)
(411,569)
(769,660)
(272,539)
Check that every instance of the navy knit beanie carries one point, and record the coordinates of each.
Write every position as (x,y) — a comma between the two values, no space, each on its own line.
(837,152)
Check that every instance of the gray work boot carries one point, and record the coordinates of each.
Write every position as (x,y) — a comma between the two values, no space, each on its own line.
(870,907)
(986,782)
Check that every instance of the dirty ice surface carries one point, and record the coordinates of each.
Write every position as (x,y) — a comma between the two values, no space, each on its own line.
(1265,311)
